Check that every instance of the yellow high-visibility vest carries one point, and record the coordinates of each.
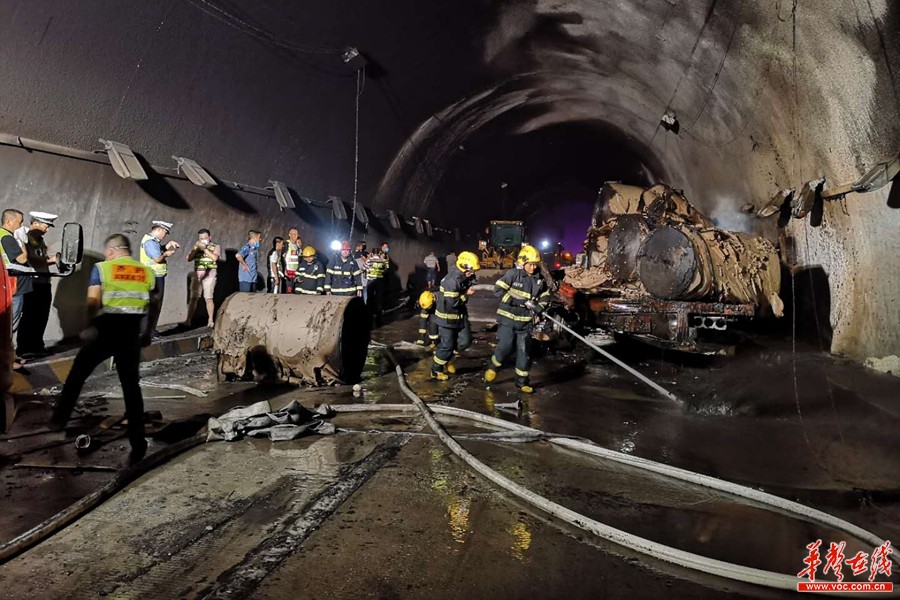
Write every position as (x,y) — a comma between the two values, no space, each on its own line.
(126,286)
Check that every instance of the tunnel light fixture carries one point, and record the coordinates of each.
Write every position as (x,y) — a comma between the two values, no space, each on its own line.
(353,58)
(338,210)
(428,229)
(335,245)
(420,227)
(545,244)
(123,161)
(669,122)
(395,219)
(282,194)
(804,200)
(194,172)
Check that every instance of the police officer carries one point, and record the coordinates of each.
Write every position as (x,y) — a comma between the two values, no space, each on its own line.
(344,277)
(376,268)
(523,295)
(121,295)
(154,255)
(36,311)
(451,313)
(310,274)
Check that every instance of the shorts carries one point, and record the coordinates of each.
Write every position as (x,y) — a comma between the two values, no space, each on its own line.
(431,275)
(203,282)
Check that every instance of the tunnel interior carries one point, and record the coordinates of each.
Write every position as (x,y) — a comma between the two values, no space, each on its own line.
(547,177)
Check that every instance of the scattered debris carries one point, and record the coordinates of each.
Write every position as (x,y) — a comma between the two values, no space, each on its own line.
(175,386)
(259,420)
(888,364)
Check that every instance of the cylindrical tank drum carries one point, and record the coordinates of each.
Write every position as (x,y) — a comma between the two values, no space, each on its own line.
(625,241)
(313,339)
(684,263)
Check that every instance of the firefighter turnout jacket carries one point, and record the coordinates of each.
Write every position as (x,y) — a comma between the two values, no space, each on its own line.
(514,289)
(310,278)
(343,277)
(450,301)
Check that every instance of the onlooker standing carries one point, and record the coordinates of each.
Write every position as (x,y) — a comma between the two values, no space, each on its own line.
(292,250)
(376,267)
(154,255)
(246,256)
(451,261)
(434,267)
(36,311)
(15,260)
(276,271)
(206,256)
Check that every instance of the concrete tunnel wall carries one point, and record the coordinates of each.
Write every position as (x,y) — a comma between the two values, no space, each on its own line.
(768,95)
(167,79)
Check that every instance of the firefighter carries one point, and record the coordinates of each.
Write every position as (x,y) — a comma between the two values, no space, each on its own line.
(120,299)
(451,314)
(310,275)
(344,277)
(376,267)
(292,251)
(524,295)
(428,329)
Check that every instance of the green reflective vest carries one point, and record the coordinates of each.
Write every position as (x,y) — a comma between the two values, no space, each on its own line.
(376,266)
(126,286)
(159,269)
(4,233)
(203,262)
(292,256)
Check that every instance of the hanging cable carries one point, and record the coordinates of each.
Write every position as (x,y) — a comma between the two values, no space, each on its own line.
(261,34)
(360,82)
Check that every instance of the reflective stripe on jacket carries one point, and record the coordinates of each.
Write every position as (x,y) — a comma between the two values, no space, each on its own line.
(514,289)
(450,301)
(310,278)
(343,278)
(204,263)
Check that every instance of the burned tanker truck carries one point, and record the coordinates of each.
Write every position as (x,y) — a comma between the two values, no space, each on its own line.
(657,269)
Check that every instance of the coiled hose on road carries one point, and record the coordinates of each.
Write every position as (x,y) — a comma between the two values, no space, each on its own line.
(644,546)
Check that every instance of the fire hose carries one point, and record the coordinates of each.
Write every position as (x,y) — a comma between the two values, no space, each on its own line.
(663,391)
(641,545)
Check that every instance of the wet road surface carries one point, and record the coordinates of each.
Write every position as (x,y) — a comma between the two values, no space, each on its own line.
(383,511)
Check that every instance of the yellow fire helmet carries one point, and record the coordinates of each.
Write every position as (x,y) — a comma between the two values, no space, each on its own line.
(308,251)
(426,300)
(529,254)
(467,261)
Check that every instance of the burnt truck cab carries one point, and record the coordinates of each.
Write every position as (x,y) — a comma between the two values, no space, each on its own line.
(656,269)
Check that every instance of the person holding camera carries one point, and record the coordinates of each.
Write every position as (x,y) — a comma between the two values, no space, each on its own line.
(206,256)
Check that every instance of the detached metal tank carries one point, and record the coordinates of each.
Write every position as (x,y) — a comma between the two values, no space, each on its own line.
(683,263)
(318,340)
